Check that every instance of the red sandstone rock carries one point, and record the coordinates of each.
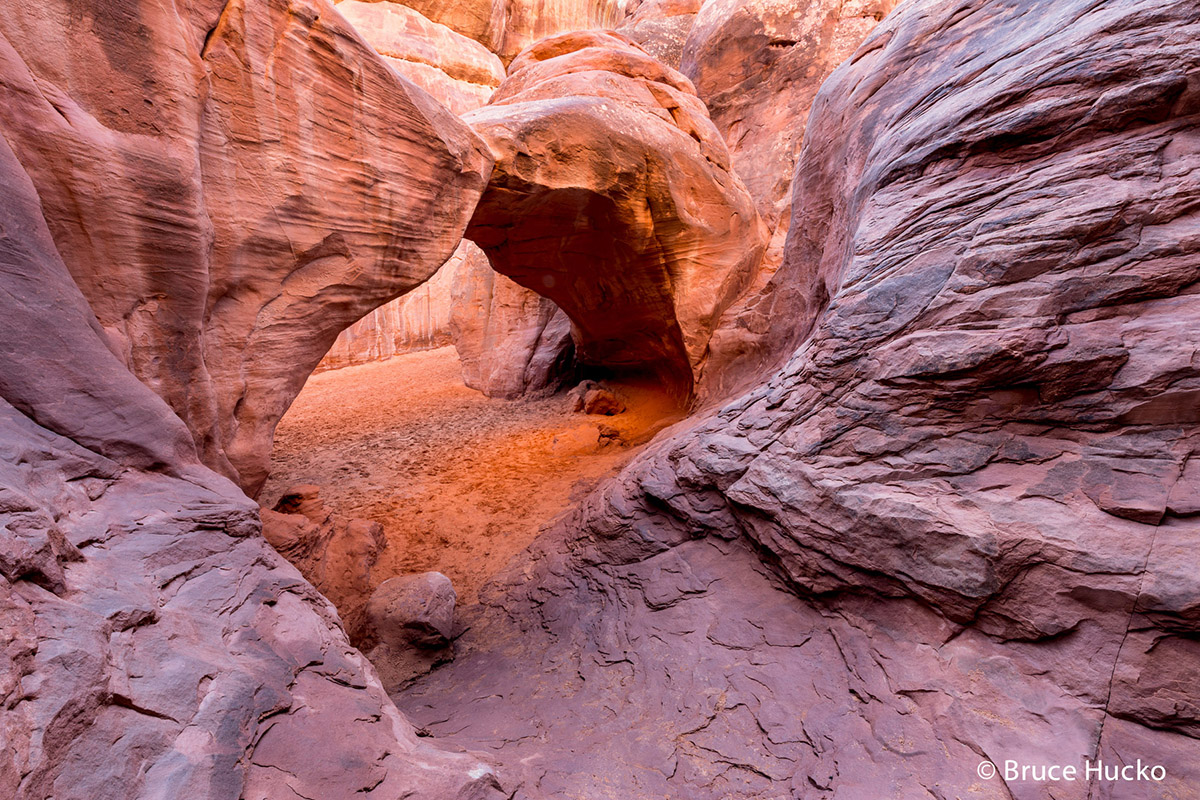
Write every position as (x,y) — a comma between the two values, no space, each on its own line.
(591,397)
(959,523)
(661,27)
(950,528)
(530,21)
(612,196)
(154,644)
(333,553)
(460,72)
(512,342)
(413,610)
(234,231)
(420,320)
(481,20)
(757,66)
(462,75)
(506,27)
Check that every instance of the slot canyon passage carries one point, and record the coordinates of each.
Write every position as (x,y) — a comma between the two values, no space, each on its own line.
(638,399)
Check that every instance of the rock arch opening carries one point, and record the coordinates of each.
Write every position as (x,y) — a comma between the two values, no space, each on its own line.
(397,467)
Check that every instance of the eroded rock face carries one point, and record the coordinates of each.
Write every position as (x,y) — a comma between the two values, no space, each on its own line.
(512,342)
(420,320)
(224,234)
(506,27)
(460,72)
(758,65)
(500,329)
(333,553)
(155,646)
(481,20)
(661,27)
(957,524)
(462,75)
(612,196)
(530,21)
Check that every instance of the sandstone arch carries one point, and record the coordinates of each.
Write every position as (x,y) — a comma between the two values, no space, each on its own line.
(613,196)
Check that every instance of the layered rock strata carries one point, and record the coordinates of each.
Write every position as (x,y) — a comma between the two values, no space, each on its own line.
(333,553)
(661,28)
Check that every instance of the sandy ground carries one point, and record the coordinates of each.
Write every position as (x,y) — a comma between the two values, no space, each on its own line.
(460,482)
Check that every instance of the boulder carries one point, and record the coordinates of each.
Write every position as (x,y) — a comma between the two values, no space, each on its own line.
(413,610)
(591,397)
(613,196)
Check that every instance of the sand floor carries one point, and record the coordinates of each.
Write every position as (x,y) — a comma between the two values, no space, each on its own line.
(460,482)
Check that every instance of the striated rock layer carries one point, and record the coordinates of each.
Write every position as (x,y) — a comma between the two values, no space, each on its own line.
(959,523)
(612,195)
(230,189)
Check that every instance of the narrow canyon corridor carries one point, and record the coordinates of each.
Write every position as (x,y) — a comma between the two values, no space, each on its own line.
(459,481)
(600,400)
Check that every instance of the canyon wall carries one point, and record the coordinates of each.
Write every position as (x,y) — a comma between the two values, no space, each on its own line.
(512,342)
(461,74)
(194,203)
(758,66)
(459,71)
(420,320)
(958,525)
(224,233)
(661,28)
